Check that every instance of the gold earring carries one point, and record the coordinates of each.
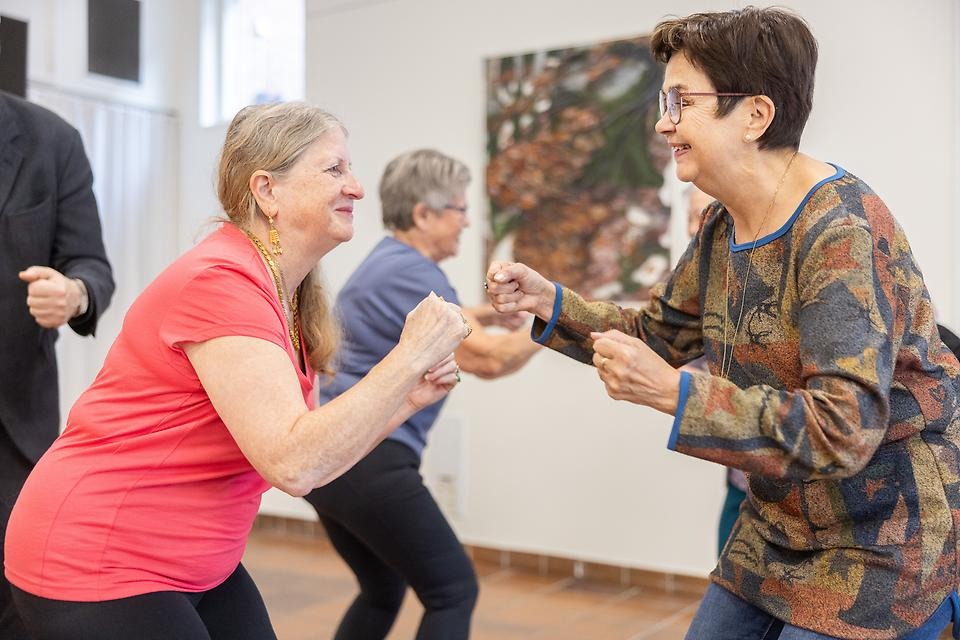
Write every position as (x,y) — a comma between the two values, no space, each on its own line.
(274,237)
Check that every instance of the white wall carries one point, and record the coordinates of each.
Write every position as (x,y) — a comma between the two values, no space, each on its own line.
(57,49)
(57,58)
(551,464)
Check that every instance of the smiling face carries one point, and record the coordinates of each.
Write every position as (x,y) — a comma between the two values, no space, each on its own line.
(444,226)
(703,145)
(316,196)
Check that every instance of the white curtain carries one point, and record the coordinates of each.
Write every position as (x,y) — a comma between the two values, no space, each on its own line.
(134,155)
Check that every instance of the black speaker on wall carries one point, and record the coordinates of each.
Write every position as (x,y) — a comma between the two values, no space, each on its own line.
(13,56)
(113,38)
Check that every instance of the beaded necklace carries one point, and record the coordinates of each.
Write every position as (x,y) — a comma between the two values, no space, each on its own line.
(293,326)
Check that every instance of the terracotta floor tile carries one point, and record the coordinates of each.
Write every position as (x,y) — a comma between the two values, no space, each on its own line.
(307,588)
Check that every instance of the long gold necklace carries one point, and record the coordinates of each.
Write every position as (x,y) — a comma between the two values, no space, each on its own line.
(725,363)
(293,326)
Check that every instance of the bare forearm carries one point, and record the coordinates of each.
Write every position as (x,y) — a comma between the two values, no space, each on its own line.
(401,415)
(257,394)
(327,441)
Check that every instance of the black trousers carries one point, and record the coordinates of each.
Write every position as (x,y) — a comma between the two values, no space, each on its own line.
(14,469)
(385,524)
(233,610)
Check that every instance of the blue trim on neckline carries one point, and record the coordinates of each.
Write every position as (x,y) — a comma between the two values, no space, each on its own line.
(840,172)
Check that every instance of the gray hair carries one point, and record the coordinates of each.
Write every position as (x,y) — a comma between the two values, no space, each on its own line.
(423,175)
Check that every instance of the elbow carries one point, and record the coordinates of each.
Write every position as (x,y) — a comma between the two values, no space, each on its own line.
(849,466)
(295,491)
(486,370)
(291,481)
(845,434)
(295,487)
(298,483)
(486,367)
(848,462)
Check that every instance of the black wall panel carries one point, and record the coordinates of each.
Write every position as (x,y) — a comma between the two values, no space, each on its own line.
(13,56)
(113,38)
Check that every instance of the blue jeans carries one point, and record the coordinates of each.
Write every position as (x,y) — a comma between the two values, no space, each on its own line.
(724,616)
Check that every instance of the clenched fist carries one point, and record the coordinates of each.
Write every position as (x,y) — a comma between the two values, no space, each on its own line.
(52,298)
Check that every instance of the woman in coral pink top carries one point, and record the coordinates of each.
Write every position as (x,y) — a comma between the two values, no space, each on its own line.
(134,523)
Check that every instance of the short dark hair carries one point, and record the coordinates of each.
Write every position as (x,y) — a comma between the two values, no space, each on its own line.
(760,51)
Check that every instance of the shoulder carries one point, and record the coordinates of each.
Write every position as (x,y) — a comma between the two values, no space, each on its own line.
(714,224)
(400,265)
(215,282)
(223,254)
(33,121)
(846,206)
(713,214)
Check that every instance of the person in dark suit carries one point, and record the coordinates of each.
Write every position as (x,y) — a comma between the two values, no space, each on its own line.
(53,271)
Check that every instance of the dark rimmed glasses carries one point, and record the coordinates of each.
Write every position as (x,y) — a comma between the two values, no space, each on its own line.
(671,102)
(453,207)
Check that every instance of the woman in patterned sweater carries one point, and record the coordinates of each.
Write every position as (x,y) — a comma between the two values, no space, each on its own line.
(827,384)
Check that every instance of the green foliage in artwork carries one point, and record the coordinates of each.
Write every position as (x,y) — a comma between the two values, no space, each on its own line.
(624,160)
(504,223)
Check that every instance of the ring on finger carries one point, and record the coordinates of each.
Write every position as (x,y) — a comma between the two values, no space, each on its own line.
(603,361)
(484,285)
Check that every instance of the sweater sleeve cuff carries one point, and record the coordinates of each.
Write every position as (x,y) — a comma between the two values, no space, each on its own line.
(548,330)
(681,405)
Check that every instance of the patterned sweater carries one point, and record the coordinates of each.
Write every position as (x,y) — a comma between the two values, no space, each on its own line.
(841,405)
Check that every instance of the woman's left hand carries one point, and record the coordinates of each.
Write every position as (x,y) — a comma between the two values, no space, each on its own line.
(435,384)
(632,371)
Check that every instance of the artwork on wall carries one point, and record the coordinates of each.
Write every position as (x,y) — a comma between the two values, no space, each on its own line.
(575,169)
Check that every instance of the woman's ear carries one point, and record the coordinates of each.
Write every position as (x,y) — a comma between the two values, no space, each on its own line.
(420,214)
(261,186)
(762,113)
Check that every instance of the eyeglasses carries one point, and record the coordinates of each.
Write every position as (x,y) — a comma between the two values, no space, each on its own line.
(672,101)
(461,210)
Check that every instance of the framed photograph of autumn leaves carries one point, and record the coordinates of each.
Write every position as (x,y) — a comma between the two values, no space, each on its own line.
(575,171)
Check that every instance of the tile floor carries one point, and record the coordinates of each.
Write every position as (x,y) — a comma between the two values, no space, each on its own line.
(307,588)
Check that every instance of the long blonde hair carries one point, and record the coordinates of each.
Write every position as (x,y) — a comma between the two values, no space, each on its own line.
(272,137)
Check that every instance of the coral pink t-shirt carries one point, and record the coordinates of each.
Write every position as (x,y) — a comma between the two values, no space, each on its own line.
(146,490)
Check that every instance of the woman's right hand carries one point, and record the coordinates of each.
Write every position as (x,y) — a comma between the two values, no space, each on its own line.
(435,383)
(433,330)
(513,286)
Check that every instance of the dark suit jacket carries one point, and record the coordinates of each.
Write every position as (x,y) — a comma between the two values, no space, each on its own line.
(49,217)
